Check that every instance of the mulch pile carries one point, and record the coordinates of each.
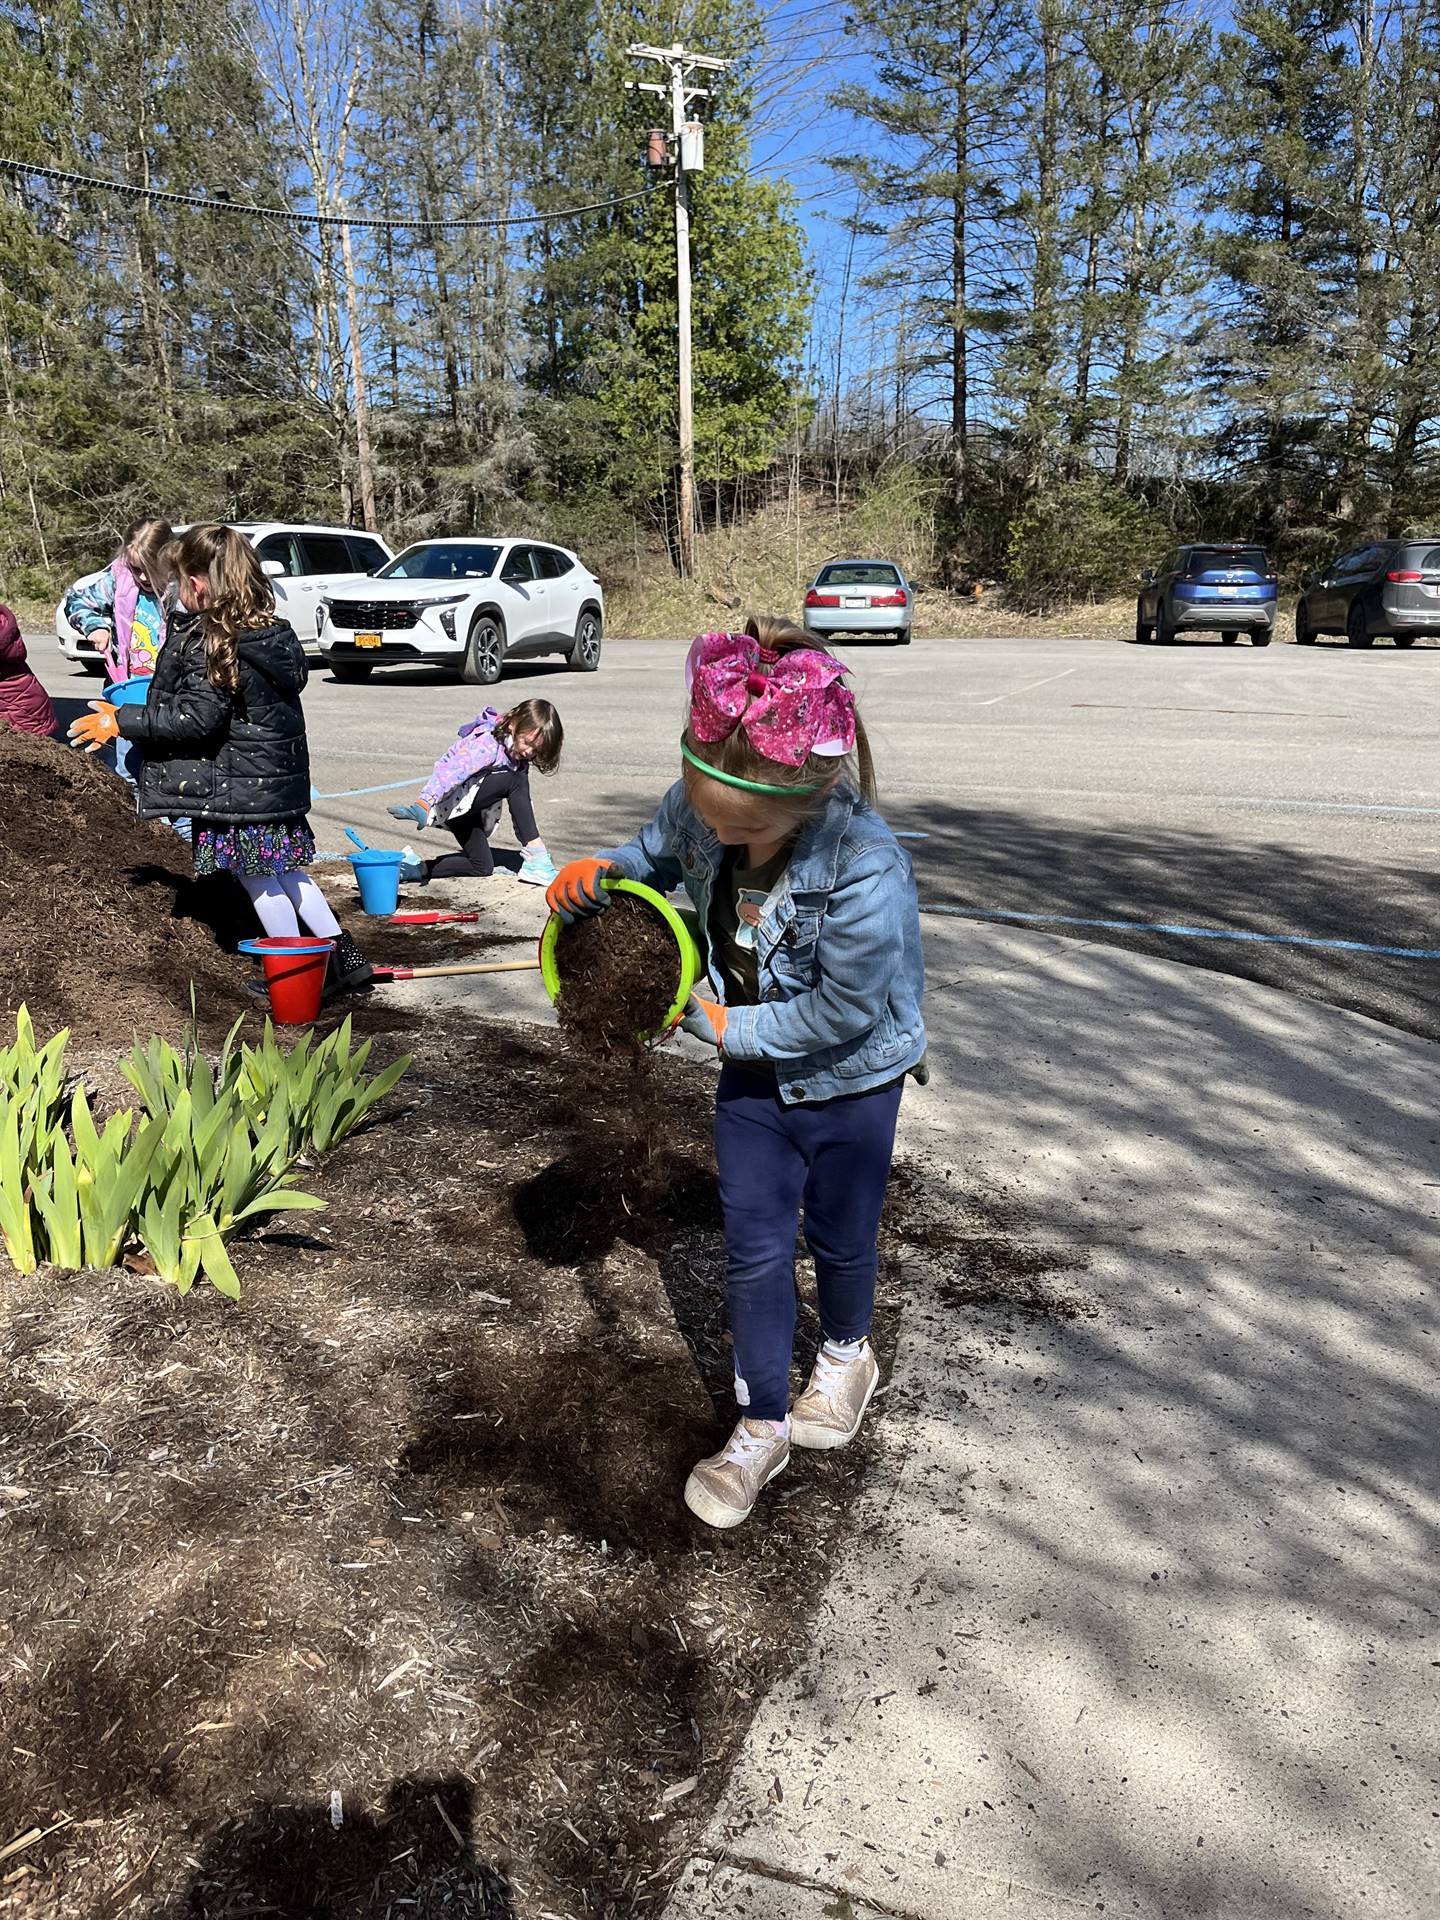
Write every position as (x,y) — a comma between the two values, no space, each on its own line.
(104,928)
(399,1540)
(96,932)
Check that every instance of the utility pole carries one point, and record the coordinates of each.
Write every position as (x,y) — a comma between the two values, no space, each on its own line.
(689,157)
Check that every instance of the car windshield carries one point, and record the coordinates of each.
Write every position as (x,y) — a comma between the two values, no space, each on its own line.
(858,573)
(462,561)
(1228,560)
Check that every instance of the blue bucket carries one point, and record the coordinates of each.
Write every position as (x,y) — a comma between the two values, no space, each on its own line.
(128,693)
(377,872)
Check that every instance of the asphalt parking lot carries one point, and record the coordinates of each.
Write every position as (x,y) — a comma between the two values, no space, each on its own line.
(1273,814)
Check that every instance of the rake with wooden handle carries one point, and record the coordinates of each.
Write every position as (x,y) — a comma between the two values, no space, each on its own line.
(386,974)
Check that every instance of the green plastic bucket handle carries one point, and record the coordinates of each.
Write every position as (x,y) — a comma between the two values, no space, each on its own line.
(674,920)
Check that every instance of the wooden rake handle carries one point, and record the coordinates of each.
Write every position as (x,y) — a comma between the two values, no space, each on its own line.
(384,974)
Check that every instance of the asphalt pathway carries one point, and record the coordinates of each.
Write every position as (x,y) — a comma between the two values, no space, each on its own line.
(1270,814)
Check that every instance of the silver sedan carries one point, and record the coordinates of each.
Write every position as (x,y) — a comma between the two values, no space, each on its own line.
(861,596)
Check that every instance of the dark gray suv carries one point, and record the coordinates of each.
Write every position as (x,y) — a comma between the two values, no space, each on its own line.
(1390,587)
(1209,588)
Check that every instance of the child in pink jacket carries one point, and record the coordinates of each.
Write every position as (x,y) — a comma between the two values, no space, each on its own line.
(24,703)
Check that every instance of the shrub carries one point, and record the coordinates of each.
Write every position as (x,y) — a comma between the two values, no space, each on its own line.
(1080,539)
(213,1152)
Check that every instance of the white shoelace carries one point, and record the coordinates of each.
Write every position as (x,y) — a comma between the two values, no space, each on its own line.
(828,1370)
(829,1367)
(743,1447)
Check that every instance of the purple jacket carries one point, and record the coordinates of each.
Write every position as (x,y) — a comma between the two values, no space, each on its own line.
(475,753)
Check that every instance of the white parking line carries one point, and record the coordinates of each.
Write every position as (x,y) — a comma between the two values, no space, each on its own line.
(1029,687)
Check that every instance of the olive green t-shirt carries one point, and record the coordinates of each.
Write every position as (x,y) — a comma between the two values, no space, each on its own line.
(735,904)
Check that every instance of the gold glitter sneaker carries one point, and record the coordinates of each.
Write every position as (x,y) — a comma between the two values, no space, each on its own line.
(723,1489)
(828,1413)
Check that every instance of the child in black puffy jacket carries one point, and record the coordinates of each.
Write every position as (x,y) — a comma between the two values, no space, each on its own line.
(222,740)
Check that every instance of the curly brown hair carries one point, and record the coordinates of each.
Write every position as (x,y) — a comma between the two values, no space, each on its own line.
(237,598)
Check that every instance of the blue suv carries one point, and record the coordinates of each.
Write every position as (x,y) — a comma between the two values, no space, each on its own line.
(1227,590)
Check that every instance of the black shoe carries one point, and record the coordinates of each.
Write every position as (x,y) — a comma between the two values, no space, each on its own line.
(349,971)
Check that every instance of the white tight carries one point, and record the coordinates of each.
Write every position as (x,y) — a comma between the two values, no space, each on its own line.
(283,900)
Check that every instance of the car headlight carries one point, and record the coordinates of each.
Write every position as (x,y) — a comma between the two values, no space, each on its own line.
(321,614)
(446,600)
(447,620)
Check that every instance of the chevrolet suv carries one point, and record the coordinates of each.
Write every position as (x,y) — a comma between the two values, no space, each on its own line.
(1391,587)
(1227,590)
(469,604)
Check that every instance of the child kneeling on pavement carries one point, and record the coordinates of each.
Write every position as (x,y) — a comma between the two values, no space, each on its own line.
(222,739)
(487,768)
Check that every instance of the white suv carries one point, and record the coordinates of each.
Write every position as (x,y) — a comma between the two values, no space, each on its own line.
(467,604)
(303,563)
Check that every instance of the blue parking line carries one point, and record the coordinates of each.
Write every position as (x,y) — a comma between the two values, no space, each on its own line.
(349,793)
(1187,933)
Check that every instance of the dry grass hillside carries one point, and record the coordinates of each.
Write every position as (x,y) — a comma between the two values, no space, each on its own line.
(765,562)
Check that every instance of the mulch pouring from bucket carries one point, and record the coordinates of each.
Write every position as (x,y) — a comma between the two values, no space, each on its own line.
(621,978)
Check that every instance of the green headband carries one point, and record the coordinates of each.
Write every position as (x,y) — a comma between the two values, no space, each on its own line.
(734,780)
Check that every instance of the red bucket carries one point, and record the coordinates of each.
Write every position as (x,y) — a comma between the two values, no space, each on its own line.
(294,974)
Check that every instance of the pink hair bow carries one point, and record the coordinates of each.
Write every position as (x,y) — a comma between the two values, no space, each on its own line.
(790,704)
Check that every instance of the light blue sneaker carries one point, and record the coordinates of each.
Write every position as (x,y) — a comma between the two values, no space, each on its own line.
(538,871)
(411,867)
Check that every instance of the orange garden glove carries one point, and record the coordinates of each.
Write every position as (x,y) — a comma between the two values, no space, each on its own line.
(92,730)
(576,889)
(706,1019)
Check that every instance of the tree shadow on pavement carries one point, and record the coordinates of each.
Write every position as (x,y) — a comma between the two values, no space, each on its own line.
(1190,1570)
(1026,861)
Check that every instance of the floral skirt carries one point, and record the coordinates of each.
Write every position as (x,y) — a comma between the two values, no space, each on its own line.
(279,846)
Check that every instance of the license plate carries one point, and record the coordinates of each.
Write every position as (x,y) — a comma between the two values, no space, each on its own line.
(367,639)
(1231,593)
(855,601)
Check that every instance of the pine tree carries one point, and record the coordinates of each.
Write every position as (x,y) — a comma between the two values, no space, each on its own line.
(945,77)
(1281,126)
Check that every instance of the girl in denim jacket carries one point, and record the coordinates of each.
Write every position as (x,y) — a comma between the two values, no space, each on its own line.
(811,931)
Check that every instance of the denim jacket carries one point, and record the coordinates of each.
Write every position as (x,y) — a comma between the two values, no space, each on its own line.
(838,949)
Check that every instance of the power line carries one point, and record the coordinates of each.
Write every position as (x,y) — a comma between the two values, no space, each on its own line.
(222,203)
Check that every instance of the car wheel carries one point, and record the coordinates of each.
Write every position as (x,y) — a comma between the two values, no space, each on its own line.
(1144,632)
(1260,637)
(902,637)
(95,668)
(1304,637)
(1355,630)
(483,654)
(584,656)
(350,672)
(1403,639)
(1164,632)
(1228,639)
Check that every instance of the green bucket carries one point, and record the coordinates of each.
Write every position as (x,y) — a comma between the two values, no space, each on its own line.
(674,918)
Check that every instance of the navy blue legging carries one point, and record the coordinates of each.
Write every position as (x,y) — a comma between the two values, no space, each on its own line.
(833,1160)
